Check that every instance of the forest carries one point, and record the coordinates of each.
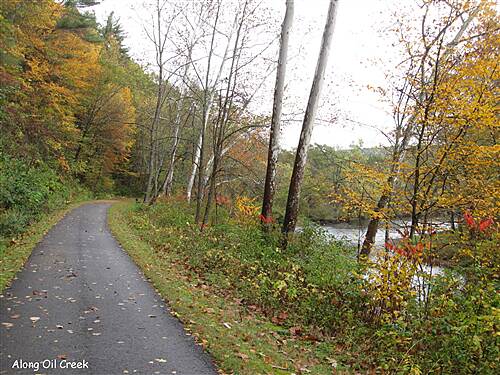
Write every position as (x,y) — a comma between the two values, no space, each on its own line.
(230,227)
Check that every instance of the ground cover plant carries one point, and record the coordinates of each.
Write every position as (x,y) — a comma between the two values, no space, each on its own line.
(317,291)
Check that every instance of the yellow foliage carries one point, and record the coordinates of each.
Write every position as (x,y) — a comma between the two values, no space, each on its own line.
(389,285)
(246,209)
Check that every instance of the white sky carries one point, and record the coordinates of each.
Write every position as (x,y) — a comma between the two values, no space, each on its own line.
(360,56)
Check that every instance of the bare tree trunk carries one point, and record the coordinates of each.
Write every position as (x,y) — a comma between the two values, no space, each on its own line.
(209,94)
(158,40)
(399,149)
(152,143)
(223,118)
(207,104)
(211,191)
(167,185)
(169,178)
(199,196)
(192,175)
(292,206)
(371,232)
(274,137)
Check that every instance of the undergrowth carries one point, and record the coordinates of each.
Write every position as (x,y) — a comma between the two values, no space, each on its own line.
(317,291)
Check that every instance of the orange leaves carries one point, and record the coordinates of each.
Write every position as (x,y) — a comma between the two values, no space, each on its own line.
(222,200)
(407,249)
(54,67)
(68,98)
(63,163)
(476,225)
(266,220)
(75,61)
(485,224)
(469,220)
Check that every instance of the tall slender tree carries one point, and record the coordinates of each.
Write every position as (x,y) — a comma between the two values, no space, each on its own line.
(274,137)
(292,205)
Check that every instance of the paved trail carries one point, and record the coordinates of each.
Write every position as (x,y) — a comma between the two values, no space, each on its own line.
(80,297)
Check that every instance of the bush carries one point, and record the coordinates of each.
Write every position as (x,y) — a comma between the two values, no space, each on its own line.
(26,191)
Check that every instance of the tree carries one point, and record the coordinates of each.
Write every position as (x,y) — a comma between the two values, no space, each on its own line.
(274,136)
(292,205)
(460,131)
(428,60)
(65,102)
(208,87)
(159,37)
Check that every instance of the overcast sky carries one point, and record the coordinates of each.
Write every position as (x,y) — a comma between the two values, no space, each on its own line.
(360,57)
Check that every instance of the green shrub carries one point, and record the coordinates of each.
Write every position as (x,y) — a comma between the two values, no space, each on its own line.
(26,191)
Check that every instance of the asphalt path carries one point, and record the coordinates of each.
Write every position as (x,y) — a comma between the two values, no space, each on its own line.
(81,306)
